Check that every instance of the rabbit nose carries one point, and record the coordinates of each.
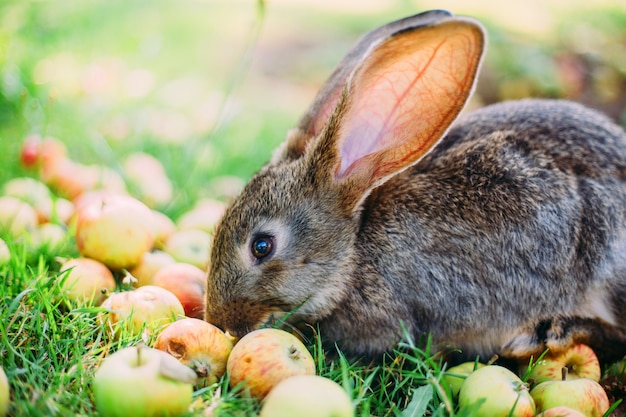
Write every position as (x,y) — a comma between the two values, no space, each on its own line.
(238,317)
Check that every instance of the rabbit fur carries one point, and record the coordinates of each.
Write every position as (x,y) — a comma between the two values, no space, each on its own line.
(499,231)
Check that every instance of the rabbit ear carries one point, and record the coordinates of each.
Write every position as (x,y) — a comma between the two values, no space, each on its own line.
(324,104)
(400,101)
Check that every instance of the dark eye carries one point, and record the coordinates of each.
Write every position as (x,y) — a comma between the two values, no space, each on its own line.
(262,246)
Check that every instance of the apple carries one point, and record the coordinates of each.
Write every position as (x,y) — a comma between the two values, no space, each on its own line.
(140,381)
(188,283)
(29,190)
(503,393)
(199,345)
(264,357)
(56,210)
(149,265)
(560,411)
(116,232)
(225,187)
(148,176)
(5,253)
(455,376)
(36,151)
(16,216)
(48,235)
(70,179)
(203,216)
(190,246)
(162,228)
(580,360)
(86,280)
(307,396)
(5,394)
(146,309)
(581,394)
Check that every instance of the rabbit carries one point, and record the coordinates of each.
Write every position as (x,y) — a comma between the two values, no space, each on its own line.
(390,211)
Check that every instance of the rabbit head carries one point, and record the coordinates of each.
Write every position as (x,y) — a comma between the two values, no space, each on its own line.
(286,245)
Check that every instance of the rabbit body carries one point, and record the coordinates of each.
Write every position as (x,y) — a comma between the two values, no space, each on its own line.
(505,234)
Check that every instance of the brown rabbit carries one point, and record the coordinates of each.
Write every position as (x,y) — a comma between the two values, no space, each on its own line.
(500,232)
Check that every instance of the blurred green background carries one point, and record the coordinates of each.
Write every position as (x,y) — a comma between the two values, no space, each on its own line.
(210,87)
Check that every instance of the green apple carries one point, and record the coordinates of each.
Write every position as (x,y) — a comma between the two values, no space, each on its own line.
(264,357)
(198,344)
(560,411)
(5,394)
(503,393)
(582,394)
(115,232)
(142,382)
(86,280)
(307,396)
(455,376)
(580,360)
(145,309)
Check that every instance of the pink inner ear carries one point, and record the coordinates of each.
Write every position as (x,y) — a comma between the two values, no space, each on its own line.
(404,97)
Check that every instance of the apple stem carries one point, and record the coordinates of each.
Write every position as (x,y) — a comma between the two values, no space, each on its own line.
(564,372)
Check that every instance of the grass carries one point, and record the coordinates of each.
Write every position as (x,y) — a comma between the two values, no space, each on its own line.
(225,81)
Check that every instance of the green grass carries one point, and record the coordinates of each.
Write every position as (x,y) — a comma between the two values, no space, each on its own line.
(239,77)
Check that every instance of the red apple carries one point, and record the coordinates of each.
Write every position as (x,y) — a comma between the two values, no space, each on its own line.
(117,233)
(503,393)
(188,283)
(86,280)
(190,246)
(581,394)
(142,382)
(16,216)
(580,360)
(149,265)
(36,151)
(146,309)
(264,357)
(148,176)
(307,396)
(199,345)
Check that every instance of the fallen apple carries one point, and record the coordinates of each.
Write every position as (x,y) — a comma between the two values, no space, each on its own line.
(5,394)
(581,394)
(307,396)
(503,393)
(189,246)
(188,283)
(199,345)
(31,191)
(37,151)
(264,357)
(48,235)
(455,376)
(560,411)
(203,216)
(580,360)
(142,382)
(146,309)
(150,263)
(16,216)
(116,232)
(147,175)
(86,280)
(162,228)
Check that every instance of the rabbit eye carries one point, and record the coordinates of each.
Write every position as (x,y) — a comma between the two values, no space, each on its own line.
(262,246)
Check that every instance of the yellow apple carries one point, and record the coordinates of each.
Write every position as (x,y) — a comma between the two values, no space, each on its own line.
(149,265)
(581,394)
(199,345)
(117,233)
(86,280)
(580,360)
(5,394)
(16,216)
(203,216)
(145,309)
(307,396)
(264,357)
